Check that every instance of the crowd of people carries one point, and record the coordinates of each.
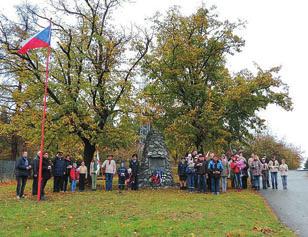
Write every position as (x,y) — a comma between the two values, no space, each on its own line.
(66,171)
(197,172)
(210,173)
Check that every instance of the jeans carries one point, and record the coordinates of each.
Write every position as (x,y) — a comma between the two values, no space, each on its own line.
(251,178)
(94,179)
(256,180)
(109,178)
(224,183)
(274,180)
(284,180)
(73,186)
(237,181)
(215,185)
(21,184)
(201,183)
(121,184)
(191,182)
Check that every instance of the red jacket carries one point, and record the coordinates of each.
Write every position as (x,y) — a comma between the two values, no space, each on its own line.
(74,174)
(235,167)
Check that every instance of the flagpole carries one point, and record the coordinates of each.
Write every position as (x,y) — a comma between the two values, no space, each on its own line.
(43,119)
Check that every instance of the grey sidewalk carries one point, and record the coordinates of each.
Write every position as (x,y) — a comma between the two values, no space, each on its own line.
(291,205)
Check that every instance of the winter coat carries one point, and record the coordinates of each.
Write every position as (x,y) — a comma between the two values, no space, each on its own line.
(59,167)
(273,165)
(256,168)
(68,165)
(46,173)
(190,169)
(109,166)
(21,167)
(226,168)
(235,168)
(74,175)
(200,167)
(182,168)
(283,168)
(215,168)
(122,173)
(92,167)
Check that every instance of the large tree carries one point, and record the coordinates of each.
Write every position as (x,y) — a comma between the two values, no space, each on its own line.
(93,65)
(190,91)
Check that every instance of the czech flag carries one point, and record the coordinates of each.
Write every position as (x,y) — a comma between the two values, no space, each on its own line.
(39,40)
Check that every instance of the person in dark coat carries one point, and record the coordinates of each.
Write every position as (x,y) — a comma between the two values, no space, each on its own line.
(59,169)
(182,173)
(46,173)
(22,170)
(36,164)
(134,165)
(68,167)
(200,167)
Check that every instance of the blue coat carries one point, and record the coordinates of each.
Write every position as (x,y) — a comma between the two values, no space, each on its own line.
(215,168)
(59,167)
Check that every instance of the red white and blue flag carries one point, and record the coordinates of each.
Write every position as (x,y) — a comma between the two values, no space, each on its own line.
(39,40)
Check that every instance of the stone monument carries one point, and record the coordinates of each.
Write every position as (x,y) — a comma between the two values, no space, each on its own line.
(155,162)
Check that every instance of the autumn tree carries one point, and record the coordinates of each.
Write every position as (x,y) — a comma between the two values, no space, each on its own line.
(92,69)
(190,92)
(268,145)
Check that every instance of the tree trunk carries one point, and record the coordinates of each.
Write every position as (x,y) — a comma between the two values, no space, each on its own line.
(88,152)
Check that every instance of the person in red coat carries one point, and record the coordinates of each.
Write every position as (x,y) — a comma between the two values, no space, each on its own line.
(74,177)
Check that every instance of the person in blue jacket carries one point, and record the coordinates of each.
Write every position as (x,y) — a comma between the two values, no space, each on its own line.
(59,169)
(122,174)
(215,167)
(22,170)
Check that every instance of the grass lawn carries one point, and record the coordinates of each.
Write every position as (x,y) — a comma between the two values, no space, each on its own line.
(167,212)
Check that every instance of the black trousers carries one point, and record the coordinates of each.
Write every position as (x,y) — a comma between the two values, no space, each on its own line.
(82,179)
(135,183)
(34,186)
(57,183)
(21,184)
(244,182)
(65,182)
(209,182)
(43,185)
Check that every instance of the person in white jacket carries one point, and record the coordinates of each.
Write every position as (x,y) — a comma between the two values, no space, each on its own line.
(110,168)
(273,166)
(283,168)
(94,171)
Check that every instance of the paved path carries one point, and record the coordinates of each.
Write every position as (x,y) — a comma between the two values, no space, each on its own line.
(291,205)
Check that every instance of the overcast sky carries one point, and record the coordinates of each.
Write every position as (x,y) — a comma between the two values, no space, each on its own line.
(276,34)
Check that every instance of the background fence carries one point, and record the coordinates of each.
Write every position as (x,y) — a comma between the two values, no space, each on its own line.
(7,168)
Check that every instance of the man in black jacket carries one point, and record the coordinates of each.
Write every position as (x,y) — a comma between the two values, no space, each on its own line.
(134,165)
(201,173)
(58,172)
(68,167)
(22,169)
(46,173)
(36,164)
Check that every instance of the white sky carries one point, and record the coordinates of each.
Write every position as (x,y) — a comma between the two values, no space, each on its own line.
(276,34)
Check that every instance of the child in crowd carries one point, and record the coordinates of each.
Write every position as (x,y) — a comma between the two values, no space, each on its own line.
(122,174)
(74,177)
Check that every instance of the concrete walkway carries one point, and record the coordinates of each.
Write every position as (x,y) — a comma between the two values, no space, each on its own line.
(291,205)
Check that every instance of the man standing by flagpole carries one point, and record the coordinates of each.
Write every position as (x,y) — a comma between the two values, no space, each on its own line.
(40,40)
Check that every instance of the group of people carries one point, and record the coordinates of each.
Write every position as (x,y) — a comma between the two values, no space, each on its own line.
(197,172)
(66,171)
(210,173)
